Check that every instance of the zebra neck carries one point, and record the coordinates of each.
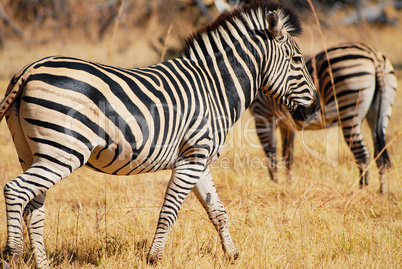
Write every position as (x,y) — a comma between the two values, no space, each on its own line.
(233,55)
(232,75)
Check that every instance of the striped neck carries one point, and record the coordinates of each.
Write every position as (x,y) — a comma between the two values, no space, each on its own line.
(231,51)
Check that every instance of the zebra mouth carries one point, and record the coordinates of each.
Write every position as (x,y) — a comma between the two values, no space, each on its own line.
(302,113)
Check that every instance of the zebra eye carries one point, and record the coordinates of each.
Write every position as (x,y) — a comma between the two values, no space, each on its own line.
(297,59)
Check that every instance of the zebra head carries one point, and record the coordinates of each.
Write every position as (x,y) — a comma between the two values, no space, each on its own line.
(286,78)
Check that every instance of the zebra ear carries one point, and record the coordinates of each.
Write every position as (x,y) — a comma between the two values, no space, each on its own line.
(275,26)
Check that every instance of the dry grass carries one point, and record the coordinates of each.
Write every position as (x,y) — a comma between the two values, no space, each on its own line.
(322,220)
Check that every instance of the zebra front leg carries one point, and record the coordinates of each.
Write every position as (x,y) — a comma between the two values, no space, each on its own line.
(185,175)
(288,137)
(34,217)
(207,195)
(266,128)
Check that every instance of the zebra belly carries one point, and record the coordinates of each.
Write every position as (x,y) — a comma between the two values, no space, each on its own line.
(120,159)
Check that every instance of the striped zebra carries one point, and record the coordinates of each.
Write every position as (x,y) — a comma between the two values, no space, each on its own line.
(64,113)
(365,87)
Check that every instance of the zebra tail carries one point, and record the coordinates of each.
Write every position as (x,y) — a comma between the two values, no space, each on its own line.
(386,84)
(14,89)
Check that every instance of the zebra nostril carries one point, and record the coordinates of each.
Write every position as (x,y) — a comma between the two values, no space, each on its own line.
(302,113)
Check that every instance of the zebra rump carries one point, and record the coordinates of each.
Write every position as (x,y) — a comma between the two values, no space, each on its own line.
(355,82)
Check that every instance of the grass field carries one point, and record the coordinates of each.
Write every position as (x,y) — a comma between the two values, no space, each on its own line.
(321,220)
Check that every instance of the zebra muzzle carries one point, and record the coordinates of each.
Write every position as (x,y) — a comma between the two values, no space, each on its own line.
(302,113)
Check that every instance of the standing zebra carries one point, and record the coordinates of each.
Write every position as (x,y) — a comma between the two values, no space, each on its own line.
(64,113)
(365,87)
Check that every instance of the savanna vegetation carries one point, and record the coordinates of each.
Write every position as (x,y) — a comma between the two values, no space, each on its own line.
(320,220)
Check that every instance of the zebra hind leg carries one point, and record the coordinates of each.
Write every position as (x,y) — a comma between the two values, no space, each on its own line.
(381,156)
(33,213)
(45,162)
(25,158)
(207,195)
(354,138)
(380,112)
(24,197)
(378,124)
(34,217)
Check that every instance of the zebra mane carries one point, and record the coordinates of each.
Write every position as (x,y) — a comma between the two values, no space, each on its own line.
(245,15)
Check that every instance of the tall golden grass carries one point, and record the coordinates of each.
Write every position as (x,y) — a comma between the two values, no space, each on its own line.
(321,220)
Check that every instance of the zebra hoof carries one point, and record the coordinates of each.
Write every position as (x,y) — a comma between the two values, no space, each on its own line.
(153,259)
(232,257)
(236,255)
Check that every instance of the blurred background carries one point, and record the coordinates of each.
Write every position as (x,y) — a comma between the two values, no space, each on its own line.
(133,33)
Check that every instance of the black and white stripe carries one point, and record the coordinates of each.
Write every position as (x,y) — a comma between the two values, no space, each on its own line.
(365,86)
(64,113)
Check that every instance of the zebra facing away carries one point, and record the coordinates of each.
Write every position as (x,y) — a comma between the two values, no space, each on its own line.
(365,87)
(64,113)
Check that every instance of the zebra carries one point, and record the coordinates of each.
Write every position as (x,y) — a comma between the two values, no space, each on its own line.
(364,88)
(64,113)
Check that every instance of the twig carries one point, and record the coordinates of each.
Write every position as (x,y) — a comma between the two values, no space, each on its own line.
(116,24)
(6,20)
(331,75)
(165,42)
